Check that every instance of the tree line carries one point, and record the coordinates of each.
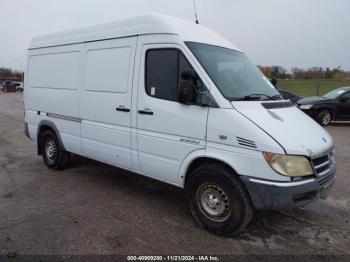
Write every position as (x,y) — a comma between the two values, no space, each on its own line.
(300,73)
(7,73)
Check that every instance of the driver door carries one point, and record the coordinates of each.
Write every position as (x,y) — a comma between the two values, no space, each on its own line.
(167,131)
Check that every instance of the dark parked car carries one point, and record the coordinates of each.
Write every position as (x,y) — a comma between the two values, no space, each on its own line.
(7,86)
(334,105)
(288,95)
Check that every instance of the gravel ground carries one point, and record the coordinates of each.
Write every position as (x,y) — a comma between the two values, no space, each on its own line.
(93,208)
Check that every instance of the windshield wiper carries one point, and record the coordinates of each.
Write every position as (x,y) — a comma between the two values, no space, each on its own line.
(255,96)
(278,97)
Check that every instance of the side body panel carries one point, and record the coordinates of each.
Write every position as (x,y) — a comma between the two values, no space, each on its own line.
(106,100)
(52,91)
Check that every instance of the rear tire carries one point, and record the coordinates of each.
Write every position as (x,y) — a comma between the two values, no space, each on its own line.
(54,156)
(218,200)
(324,117)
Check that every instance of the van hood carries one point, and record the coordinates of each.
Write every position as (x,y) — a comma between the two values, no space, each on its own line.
(295,131)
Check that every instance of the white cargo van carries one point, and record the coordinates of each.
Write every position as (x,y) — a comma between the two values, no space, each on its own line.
(173,100)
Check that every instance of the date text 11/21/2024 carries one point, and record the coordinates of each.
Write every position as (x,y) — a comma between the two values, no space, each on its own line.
(173,258)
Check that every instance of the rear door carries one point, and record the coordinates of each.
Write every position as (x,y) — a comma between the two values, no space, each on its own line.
(106,101)
(167,130)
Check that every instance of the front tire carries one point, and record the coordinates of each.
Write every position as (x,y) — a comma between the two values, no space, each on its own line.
(218,200)
(54,156)
(324,117)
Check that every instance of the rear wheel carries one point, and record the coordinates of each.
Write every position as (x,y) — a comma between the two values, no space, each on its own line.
(54,156)
(324,117)
(218,200)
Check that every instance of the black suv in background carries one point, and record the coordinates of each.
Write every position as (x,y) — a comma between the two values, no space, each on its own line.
(334,105)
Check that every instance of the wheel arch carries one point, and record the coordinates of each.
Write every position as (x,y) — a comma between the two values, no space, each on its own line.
(196,159)
(43,126)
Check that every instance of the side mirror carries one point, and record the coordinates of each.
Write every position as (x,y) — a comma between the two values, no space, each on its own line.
(189,75)
(187,87)
(344,99)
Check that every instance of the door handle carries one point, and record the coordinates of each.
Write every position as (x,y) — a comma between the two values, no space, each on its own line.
(123,109)
(146,112)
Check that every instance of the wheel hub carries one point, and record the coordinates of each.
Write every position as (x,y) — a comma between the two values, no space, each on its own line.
(213,202)
(326,118)
(50,149)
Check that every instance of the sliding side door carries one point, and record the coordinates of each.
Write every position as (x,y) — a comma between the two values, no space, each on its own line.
(106,101)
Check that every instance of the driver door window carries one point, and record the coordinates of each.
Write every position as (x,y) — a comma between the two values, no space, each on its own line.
(344,107)
(163,73)
(346,96)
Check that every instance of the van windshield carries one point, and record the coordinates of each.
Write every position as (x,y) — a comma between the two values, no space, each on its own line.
(233,73)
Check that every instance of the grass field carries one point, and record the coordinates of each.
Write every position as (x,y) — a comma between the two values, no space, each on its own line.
(309,87)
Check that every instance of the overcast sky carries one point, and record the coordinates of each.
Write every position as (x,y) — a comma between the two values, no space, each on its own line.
(289,33)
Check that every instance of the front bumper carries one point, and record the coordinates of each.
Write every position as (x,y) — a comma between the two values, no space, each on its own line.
(273,195)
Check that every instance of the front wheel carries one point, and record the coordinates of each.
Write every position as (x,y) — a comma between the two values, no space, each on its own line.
(218,200)
(324,117)
(54,156)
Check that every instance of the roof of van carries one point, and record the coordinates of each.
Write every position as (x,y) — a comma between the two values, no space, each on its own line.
(132,26)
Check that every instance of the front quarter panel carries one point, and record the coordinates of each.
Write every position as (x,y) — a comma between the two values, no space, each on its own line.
(231,124)
(226,129)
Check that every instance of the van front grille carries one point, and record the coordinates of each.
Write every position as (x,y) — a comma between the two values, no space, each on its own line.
(320,160)
(325,181)
(323,164)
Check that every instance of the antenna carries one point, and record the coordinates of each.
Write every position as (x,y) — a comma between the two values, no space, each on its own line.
(195,11)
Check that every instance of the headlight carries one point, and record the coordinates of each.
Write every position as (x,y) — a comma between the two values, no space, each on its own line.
(287,165)
(305,106)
